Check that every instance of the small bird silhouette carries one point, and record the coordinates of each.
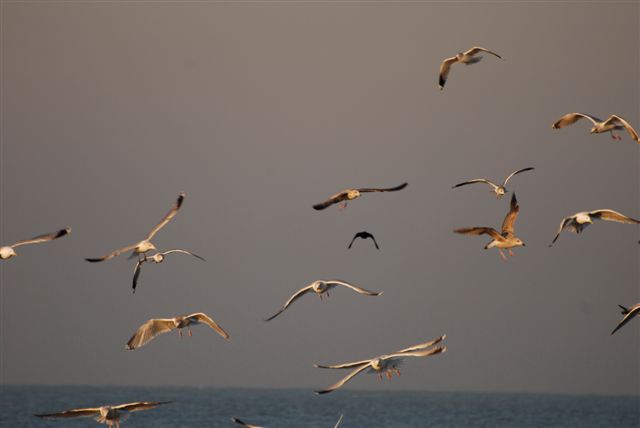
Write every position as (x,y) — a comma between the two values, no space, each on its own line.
(364,235)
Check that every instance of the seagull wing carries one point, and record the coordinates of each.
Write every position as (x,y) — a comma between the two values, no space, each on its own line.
(374,241)
(357,235)
(445,67)
(611,215)
(43,238)
(293,298)
(136,274)
(180,250)
(477,49)
(631,314)
(571,118)
(510,219)
(148,331)
(112,254)
(626,125)
(338,197)
(244,424)
(336,282)
(479,231)
(167,218)
(422,345)
(422,353)
(344,380)
(202,318)
(387,189)
(344,365)
(562,226)
(140,405)
(514,173)
(75,413)
(477,180)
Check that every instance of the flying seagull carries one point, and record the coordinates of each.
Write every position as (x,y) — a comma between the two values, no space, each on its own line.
(579,221)
(154,327)
(628,314)
(364,235)
(110,415)
(612,123)
(384,364)
(157,258)
(8,251)
(465,58)
(321,287)
(507,239)
(244,424)
(500,189)
(145,245)
(351,194)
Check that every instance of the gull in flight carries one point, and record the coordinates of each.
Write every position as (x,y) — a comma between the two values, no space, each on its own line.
(351,194)
(321,287)
(8,251)
(157,258)
(384,364)
(612,123)
(507,239)
(579,221)
(466,58)
(628,314)
(154,327)
(364,235)
(145,245)
(500,189)
(110,415)
(244,424)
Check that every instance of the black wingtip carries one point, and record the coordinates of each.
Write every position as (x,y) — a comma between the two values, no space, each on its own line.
(93,260)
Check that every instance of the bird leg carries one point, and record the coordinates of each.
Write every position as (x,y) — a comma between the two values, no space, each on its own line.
(615,136)
(342,205)
(397,372)
(511,253)
(502,254)
(320,296)
(327,293)
(180,332)
(389,374)
(379,375)
(190,334)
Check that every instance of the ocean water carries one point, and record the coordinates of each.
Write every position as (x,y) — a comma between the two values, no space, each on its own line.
(208,407)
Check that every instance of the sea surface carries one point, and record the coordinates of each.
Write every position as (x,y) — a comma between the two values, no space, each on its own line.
(208,407)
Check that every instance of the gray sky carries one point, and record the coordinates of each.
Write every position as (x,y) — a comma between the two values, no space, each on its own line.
(258,111)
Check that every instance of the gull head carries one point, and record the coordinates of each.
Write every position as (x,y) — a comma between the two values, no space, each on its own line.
(519,242)
(376,364)
(6,253)
(594,130)
(500,191)
(352,194)
(158,258)
(319,287)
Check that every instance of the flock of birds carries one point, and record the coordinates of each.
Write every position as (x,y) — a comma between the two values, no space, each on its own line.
(504,239)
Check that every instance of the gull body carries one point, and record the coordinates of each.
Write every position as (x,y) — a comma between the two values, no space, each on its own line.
(498,189)
(110,415)
(610,124)
(505,240)
(144,246)
(157,258)
(629,314)
(8,251)
(466,58)
(154,327)
(351,194)
(577,222)
(320,288)
(384,364)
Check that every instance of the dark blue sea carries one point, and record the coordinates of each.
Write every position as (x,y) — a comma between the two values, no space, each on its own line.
(198,408)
